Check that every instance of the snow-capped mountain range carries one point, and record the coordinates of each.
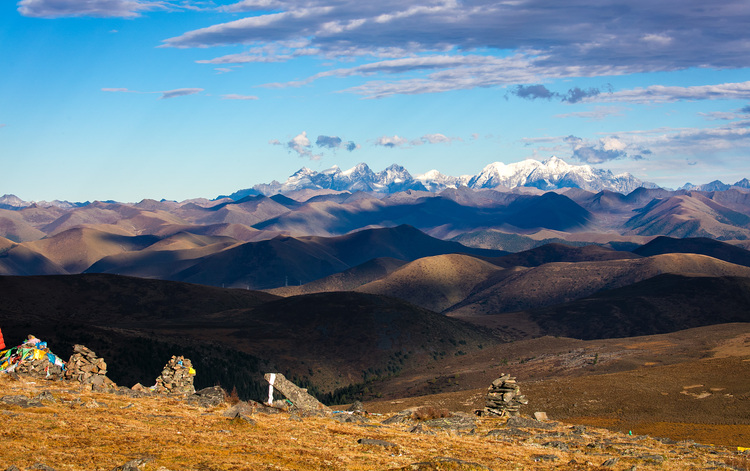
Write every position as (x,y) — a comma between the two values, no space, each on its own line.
(550,174)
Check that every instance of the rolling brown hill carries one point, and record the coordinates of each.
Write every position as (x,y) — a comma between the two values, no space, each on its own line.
(235,231)
(555,283)
(346,280)
(78,248)
(247,211)
(690,215)
(162,261)
(434,283)
(14,227)
(700,245)
(557,252)
(16,259)
(286,260)
(662,304)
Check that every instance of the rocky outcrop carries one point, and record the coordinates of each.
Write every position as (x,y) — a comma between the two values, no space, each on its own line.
(296,395)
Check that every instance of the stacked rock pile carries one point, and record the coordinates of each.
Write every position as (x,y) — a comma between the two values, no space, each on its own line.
(40,368)
(504,398)
(176,377)
(85,367)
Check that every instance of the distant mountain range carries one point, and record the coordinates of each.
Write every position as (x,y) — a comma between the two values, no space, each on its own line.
(551,174)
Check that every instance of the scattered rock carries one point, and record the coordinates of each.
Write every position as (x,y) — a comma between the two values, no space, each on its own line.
(241,410)
(443,463)
(208,397)
(508,432)
(529,423)
(458,421)
(176,377)
(544,458)
(400,418)
(21,401)
(541,416)
(45,396)
(610,462)
(503,398)
(357,407)
(655,459)
(352,418)
(43,467)
(13,468)
(375,442)
(134,465)
(419,428)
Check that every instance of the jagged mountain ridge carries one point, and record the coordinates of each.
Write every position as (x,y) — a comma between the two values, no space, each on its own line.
(551,174)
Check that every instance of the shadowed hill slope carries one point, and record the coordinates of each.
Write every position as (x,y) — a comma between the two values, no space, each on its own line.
(555,252)
(434,283)
(346,337)
(665,303)
(699,245)
(329,340)
(109,300)
(286,260)
(690,215)
(554,283)
(346,280)
(78,248)
(16,259)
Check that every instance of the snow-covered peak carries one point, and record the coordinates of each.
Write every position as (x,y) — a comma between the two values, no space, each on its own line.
(553,173)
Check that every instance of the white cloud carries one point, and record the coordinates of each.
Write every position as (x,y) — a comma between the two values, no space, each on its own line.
(233,96)
(597,114)
(179,92)
(438,138)
(667,94)
(584,38)
(164,94)
(302,146)
(391,141)
(95,8)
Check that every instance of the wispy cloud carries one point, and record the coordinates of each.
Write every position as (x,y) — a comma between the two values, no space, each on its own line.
(164,94)
(391,141)
(92,8)
(179,92)
(586,38)
(597,114)
(397,141)
(233,96)
(668,94)
(733,137)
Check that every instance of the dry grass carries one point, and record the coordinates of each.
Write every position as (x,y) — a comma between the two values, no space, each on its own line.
(83,430)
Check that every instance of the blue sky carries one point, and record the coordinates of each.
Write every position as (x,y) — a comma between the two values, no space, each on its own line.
(133,99)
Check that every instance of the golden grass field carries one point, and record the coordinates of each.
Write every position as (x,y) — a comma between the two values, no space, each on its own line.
(85,430)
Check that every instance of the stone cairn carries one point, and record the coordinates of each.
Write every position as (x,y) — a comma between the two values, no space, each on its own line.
(503,398)
(40,368)
(85,367)
(176,377)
